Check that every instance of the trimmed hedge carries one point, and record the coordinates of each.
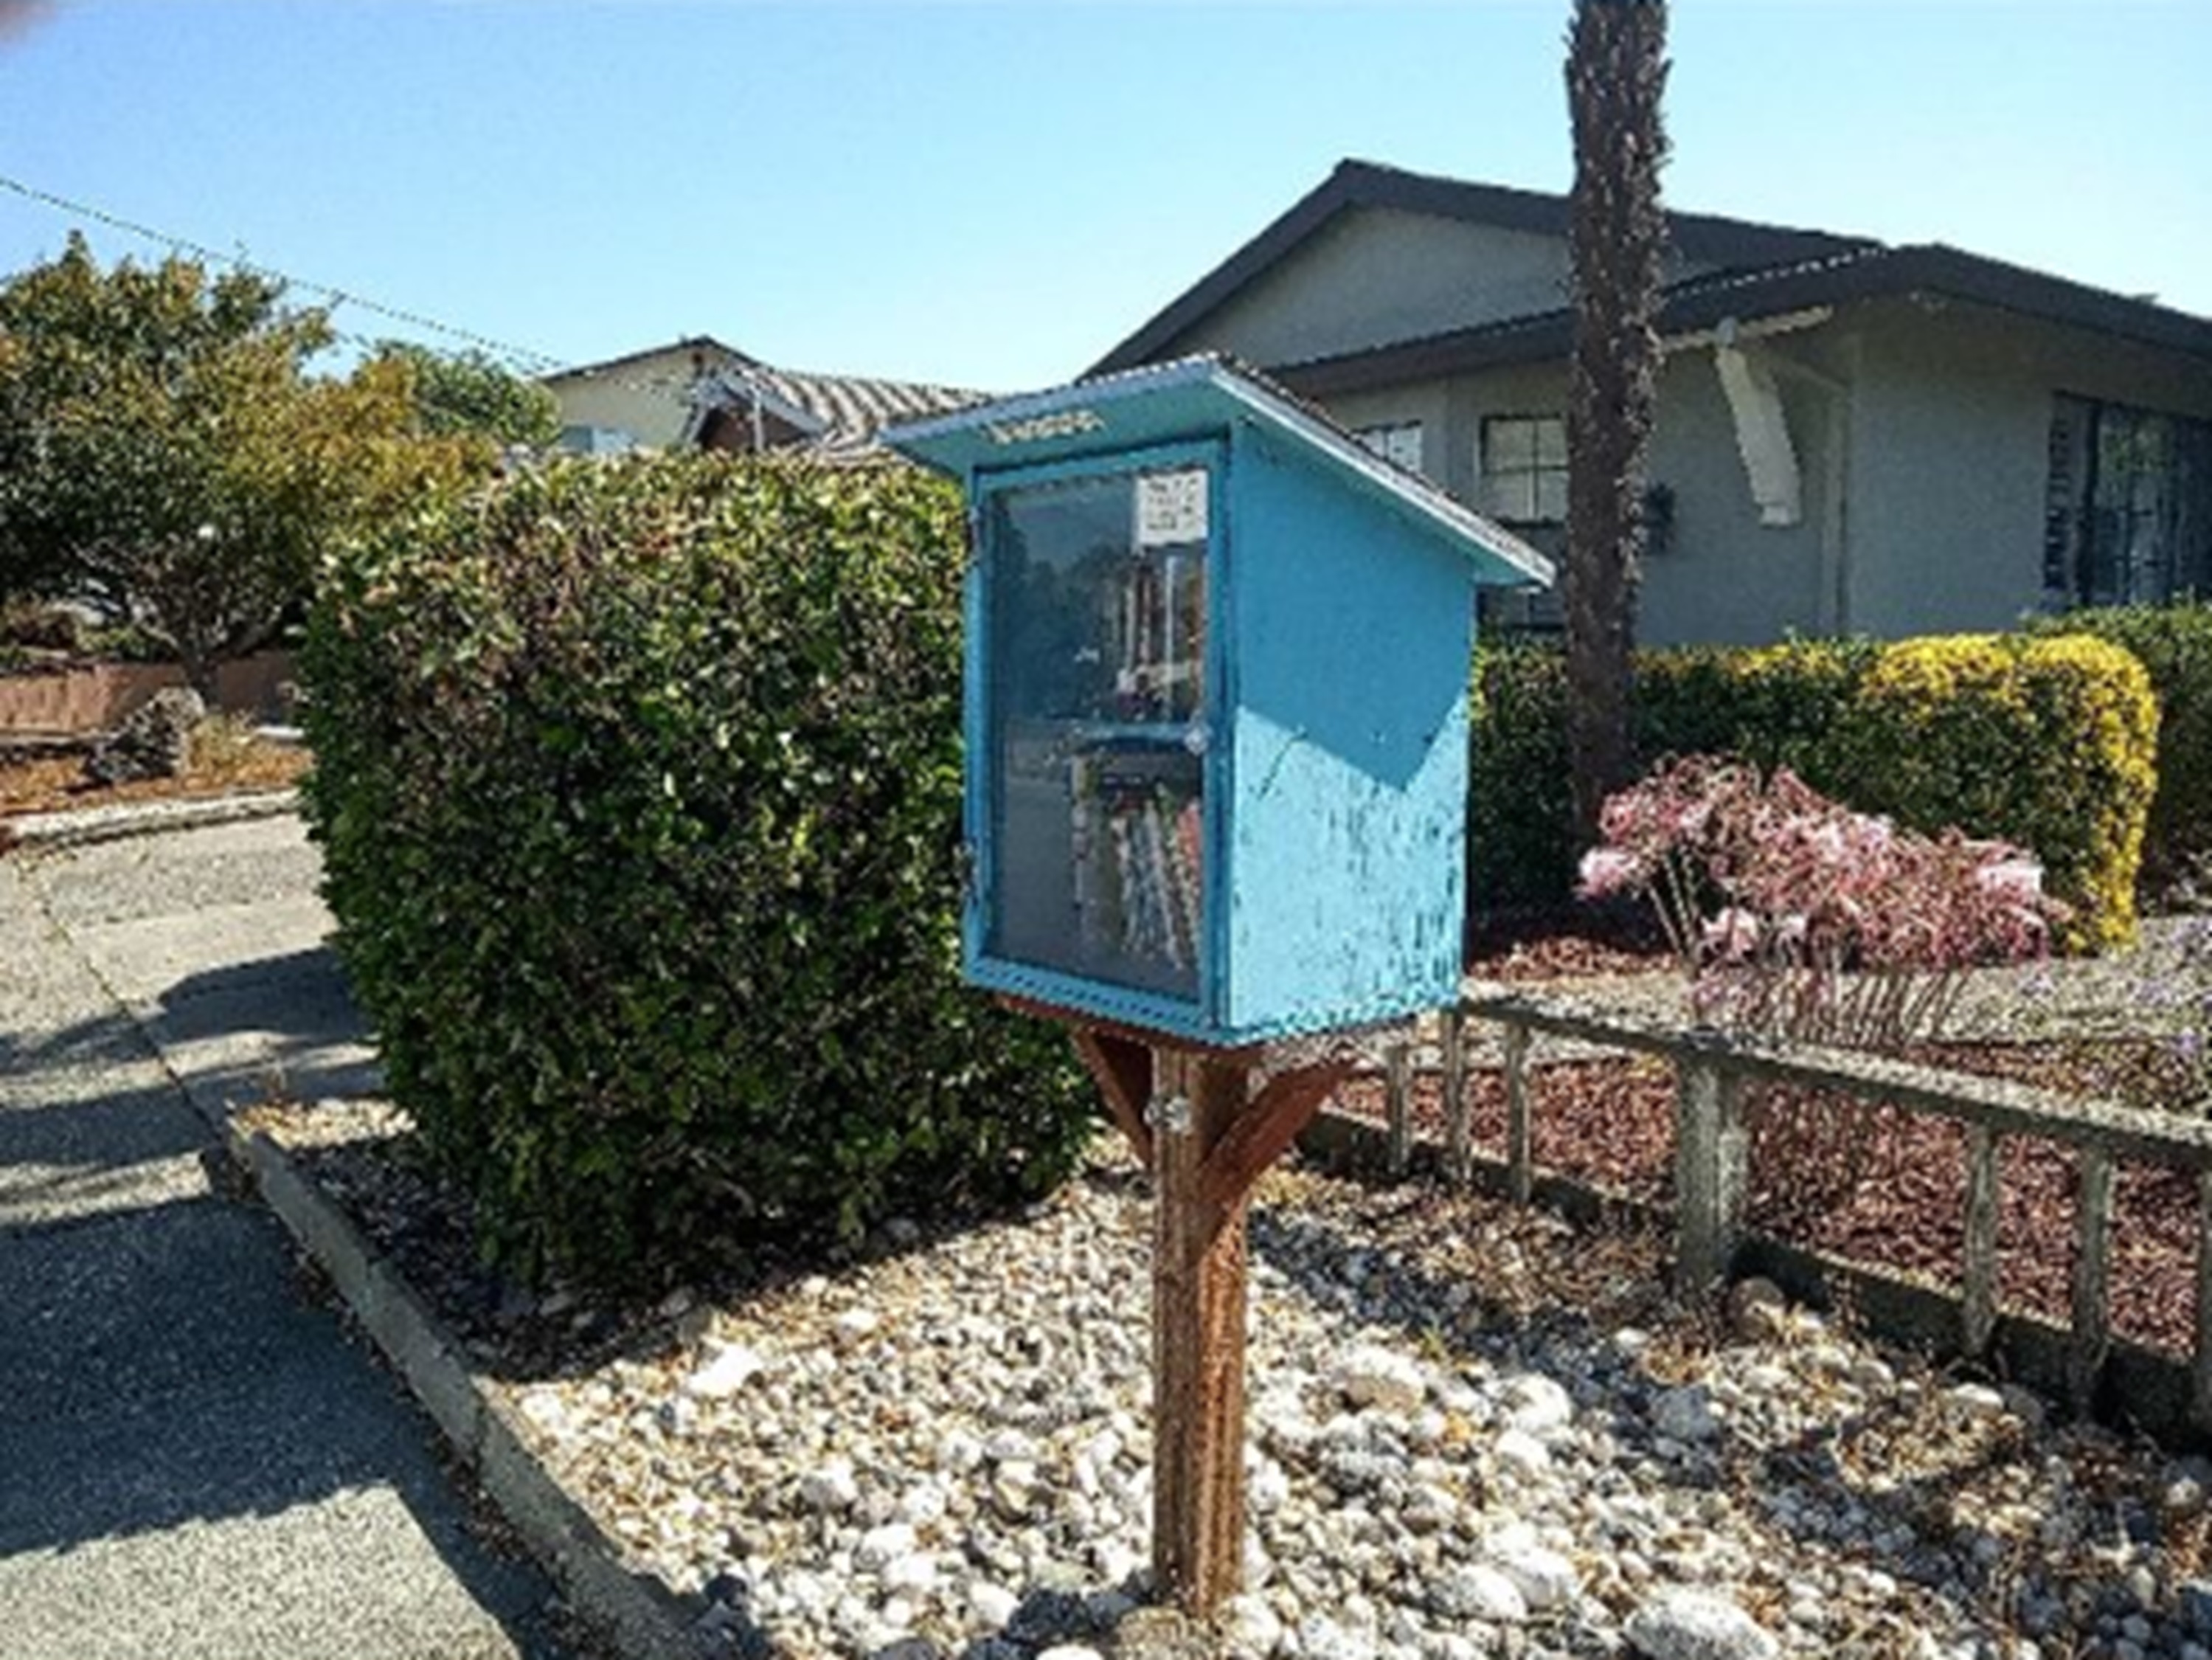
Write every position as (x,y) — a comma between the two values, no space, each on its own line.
(638,787)
(2046,742)
(2174,643)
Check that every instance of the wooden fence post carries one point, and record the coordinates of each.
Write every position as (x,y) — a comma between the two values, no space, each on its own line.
(1398,1107)
(2092,1240)
(1979,1268)
(1520,1138)
(1459,1143)
(1710,1157)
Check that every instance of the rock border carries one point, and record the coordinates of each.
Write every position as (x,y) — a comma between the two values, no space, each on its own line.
(2138,1386)
(82,826)
(643,1617)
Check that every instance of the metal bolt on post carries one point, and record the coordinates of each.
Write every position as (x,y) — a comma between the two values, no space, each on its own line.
(1169,1114)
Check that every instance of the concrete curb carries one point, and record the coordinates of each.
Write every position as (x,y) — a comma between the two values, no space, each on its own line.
(87,826)
(643,1616)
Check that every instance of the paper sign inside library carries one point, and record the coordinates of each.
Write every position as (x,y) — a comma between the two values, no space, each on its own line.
(1171,508)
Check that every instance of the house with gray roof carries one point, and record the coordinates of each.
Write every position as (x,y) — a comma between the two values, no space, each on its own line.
(1851,437)
(698,392)
(756,406)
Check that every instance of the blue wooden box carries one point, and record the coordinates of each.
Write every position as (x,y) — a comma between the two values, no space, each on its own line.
(1216,707)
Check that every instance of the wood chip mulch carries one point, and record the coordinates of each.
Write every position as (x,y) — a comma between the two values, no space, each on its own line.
(56,783)
(1580,942)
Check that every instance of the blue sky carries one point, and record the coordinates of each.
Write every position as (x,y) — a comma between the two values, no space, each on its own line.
(994,195)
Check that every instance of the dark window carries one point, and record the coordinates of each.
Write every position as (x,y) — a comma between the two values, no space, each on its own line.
(2128,506)
(1524,468)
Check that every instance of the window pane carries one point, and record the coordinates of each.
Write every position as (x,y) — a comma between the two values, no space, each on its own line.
(1399,443)
(1552,442)
(1097,645)
(2128,504)
(1551,497)
(1508,446)
(1511,497)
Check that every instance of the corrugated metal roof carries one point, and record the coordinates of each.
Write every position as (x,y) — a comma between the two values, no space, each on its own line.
(852,407)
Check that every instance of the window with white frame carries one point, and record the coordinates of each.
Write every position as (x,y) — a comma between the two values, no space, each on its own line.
(1524,465)
(1398,442)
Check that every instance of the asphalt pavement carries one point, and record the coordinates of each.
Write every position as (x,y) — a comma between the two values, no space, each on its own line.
(196,1458)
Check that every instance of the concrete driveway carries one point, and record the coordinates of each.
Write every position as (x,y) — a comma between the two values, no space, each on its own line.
(195,1459)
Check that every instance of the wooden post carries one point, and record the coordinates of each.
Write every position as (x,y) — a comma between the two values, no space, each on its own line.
(1198,1338)
(1398,1107)
(1459,1140)
(1520,1140)
(1979,1271)
(1710,1160)
(1194,1115)
(2092,1242)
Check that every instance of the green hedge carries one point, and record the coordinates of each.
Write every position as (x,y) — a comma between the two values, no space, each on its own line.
(638,791)
(2174,643)
(2045,741)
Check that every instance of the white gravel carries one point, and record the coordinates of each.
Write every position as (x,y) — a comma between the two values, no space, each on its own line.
(1472,1433)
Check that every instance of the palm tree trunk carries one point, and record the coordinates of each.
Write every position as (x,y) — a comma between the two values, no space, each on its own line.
(1616,74)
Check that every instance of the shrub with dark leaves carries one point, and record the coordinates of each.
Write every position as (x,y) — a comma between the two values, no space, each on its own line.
(638,787)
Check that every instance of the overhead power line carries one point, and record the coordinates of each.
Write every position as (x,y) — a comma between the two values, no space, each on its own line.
(536,362)
(524,358)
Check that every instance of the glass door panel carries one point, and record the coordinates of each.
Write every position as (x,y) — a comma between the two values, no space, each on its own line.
(1096,644)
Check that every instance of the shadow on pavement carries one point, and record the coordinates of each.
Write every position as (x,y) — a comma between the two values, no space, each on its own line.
(278,1025)
(162,1370)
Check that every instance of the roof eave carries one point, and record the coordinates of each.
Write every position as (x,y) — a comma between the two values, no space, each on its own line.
(1929,269)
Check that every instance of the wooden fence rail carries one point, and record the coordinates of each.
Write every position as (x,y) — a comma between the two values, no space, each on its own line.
(1711,1072)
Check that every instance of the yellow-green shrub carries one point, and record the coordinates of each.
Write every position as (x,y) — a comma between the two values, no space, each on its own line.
(2048,742)
(2174,644)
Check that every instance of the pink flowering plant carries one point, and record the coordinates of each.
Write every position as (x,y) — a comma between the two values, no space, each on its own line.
(1793,917)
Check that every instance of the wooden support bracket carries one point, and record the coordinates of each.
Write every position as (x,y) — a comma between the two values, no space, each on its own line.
(1263,1132)
(1123,1071)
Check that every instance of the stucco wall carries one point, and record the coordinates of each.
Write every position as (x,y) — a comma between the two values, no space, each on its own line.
(1380,274)
(1727,579)
(1951,456)
(645,397)
(1921,434)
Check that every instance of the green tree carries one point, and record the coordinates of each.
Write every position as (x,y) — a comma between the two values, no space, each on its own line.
(1616,76)
(472,393)
(165,459)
